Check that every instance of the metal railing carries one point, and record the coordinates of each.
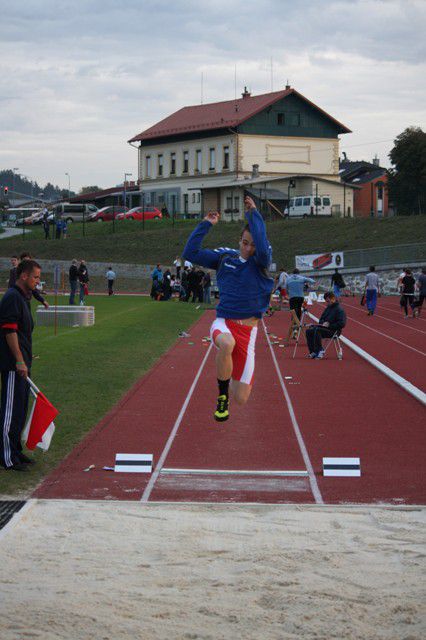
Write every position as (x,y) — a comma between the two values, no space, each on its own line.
(396,254)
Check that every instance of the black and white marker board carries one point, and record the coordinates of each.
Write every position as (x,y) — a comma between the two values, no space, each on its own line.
(133,462)
(341,467)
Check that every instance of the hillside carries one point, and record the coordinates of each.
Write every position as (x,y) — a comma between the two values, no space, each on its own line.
(161,242)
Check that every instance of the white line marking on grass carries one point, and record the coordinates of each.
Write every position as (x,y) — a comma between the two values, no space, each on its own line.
(401,324)
(395,377)
(303,450)
(156,473)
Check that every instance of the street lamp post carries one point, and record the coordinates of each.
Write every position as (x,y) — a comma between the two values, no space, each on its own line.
(124,190)
(15,169)
(69,185)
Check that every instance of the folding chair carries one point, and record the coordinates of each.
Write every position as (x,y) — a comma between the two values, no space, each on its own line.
(335,340)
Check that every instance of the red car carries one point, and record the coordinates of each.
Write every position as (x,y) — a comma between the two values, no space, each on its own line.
(106,214)
(139,213)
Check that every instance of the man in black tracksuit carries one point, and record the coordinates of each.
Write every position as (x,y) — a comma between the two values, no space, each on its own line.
(333,319)
(16,326)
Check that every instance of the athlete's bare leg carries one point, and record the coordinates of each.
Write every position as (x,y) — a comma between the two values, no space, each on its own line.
(225,345)
(240,391)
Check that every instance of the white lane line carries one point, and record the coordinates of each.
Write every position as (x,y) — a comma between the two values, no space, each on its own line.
(384,307)
(231,472)
(407,346)
(377,315)
(156,473)
(367,326)
(395,377)
(303,450)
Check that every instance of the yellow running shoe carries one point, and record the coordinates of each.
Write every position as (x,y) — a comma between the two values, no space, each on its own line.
(222,410)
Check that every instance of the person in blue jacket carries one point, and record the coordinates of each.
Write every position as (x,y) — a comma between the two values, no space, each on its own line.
(244,293)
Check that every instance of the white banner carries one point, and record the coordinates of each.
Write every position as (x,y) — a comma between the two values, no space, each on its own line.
(320,261)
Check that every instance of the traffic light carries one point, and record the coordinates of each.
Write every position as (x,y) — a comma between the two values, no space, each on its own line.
(6,190)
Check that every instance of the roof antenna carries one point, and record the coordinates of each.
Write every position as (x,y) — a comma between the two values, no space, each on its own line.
(272,75)
(235,81)
(287,86)
(202,86)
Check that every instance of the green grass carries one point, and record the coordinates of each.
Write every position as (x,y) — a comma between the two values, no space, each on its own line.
(85,371)
(161,242)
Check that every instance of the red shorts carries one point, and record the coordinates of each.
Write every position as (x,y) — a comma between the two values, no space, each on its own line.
(243,353)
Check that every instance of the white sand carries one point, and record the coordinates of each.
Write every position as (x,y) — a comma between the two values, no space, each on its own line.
(107,571)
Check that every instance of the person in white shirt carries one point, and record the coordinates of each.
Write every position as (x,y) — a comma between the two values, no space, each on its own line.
(178,264)
(110,276)
(371,290)
(280,285)
(188,264)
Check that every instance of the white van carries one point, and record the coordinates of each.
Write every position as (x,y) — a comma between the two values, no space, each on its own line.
(73,212)
(304,206)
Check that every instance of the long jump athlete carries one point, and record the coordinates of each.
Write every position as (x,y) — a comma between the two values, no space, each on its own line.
(244,292)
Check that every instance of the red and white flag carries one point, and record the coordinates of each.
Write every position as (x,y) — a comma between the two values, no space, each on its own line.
(40,427)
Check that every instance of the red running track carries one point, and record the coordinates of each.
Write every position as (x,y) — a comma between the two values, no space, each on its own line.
(341,408)
(398,343)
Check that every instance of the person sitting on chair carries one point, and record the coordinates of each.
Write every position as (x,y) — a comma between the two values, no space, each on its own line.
(332,320)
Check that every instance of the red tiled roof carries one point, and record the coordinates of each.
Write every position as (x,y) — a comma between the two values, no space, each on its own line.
(220,115)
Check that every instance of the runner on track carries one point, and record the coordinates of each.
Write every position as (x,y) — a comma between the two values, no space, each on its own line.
(244,292)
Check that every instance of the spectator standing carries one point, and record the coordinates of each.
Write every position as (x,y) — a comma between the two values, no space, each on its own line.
(16,326)
(110,276)
(192,284)
(83,278)
(64,229)
(371,290)
(421,284)
(165,211)
(188,264)
(207,284)
(337,283)
(73,279)
(14,261)
(58,226)
(280,285)
(408,284)
(157,280)
(167,285)
(46,225)
(178,265)
(184,285)
(332,319)
(35,292)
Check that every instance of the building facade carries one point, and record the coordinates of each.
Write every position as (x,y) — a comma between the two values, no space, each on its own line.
(207,156)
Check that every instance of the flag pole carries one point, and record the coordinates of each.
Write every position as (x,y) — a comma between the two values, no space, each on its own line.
(33,388)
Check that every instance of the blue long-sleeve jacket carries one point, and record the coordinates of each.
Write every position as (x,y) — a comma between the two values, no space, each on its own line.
(244,286)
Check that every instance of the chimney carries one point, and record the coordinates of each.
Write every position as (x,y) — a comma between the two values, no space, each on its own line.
(255,171)
(246,94)
(287,86)
(376,161)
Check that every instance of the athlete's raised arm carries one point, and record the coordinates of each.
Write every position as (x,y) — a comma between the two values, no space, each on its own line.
(263,255)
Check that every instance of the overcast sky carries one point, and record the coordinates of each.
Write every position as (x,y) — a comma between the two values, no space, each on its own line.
(78,79)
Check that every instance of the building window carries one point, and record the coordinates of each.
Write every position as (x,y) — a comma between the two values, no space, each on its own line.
(160,164)
(148,166)
(198,161)
(290,118)
(226,157)
(172,163)
(237,203)
(198,197)
(228,204)
(193,197)
(185,161)
(212,159)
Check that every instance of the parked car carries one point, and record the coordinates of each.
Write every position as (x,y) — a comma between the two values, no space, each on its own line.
(304,206)
(139,213)
(106,213)
(73,212)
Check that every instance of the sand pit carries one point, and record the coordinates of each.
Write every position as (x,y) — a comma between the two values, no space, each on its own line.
(106,571)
